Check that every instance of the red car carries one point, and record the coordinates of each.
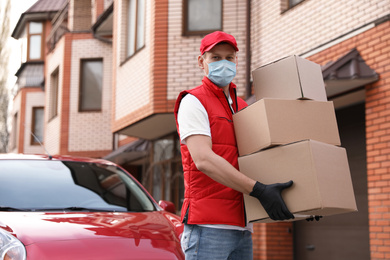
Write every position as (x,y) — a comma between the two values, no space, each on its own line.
(78,208)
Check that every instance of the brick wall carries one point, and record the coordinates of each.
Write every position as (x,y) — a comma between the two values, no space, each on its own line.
(64,95)
(311,23)
(23,103)
(87,127)
(54,60)
(98,8)
(80,15)
(377,55)
(35,97)
(273,241)
(183,70)
(132,89)
(159,65)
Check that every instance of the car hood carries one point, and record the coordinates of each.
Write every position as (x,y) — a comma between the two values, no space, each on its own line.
(95,235)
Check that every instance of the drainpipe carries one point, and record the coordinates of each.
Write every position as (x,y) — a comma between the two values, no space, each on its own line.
(248,88)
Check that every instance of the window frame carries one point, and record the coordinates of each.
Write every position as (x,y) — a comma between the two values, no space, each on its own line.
(135,29)
(54,89)
(29,35)
(185,17)
(33,141)
(80,96)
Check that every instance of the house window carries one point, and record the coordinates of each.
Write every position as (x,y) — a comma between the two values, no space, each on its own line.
(135,26)
(35,33)
(202,16)
(15,131)
(288,4)
(90,95)
(164,177)
(37,125)
(292,3)
(53,98)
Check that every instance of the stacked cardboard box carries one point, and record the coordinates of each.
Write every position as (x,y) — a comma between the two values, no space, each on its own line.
(290,133)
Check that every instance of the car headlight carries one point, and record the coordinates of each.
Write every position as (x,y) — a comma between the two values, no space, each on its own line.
(10,247)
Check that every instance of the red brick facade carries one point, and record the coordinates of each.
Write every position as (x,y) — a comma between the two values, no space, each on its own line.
(273,241)
(66,100)
(160,62)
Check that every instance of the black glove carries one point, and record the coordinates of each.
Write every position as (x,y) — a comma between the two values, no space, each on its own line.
(271,199)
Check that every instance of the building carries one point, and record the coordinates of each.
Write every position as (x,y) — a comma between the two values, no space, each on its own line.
(29,97)
(63,90)
(146,52)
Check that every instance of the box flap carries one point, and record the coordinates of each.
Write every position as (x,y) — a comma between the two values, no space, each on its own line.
(311,80)
(292,77)
(274,80)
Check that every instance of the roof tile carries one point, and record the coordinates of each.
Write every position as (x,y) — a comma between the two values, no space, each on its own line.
(46,6)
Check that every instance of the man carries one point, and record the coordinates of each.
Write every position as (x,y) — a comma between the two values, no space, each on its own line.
(213,209)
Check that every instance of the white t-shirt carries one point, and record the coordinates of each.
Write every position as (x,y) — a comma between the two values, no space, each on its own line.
(193,120)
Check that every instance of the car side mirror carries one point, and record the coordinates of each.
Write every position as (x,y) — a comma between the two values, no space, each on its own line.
(167,206)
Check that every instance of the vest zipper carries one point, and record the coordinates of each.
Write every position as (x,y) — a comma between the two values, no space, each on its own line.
(235,98)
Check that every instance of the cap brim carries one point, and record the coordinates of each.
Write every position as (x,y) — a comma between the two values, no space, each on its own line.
(213,45)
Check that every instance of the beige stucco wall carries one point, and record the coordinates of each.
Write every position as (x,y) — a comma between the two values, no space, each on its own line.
(313,23)
(183,70)
(89,131)
(132,74)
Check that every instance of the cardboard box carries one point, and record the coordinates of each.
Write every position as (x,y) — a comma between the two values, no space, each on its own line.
(270,122)
(322,181)
(290,78)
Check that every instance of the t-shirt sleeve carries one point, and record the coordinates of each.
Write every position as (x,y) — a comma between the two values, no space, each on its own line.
(192,118)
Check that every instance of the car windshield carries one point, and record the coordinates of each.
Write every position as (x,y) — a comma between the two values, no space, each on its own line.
(69,185)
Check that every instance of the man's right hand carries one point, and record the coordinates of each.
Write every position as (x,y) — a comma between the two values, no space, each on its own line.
(271,199)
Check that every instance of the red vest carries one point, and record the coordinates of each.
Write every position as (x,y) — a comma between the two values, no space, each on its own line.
(207,201)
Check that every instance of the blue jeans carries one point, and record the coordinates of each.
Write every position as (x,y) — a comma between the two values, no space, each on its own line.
(211,243)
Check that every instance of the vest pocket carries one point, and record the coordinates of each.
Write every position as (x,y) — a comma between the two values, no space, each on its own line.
(225,118)
(222,130)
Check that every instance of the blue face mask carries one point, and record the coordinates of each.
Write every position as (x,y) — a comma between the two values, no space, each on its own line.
(222,72)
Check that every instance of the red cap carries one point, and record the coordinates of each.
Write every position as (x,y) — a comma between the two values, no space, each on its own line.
(212,39)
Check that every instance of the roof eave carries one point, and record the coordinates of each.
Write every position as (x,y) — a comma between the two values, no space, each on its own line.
(106,16)
(26,17)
